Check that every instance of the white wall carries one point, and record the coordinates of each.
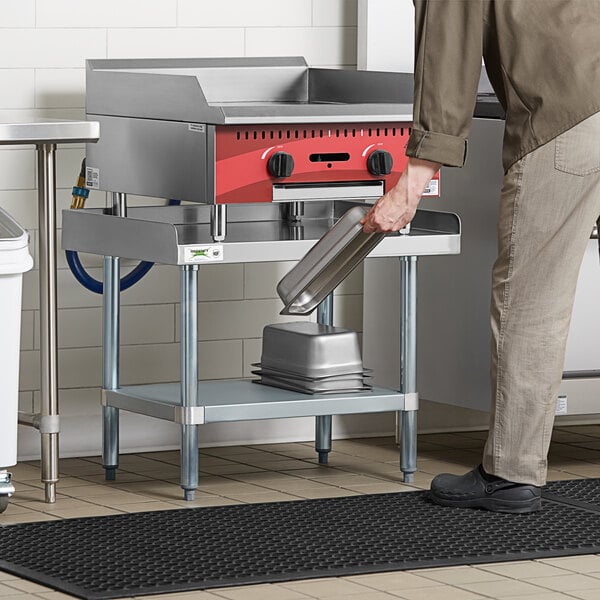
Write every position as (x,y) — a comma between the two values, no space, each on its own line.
(386,32)
(43,46)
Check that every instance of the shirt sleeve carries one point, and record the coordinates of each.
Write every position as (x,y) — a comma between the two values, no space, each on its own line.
(448,51)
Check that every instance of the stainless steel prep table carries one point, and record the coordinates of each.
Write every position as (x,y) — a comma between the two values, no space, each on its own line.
(45,134)
(182,236)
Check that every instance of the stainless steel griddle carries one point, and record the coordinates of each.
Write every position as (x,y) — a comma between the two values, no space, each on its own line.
(269,154)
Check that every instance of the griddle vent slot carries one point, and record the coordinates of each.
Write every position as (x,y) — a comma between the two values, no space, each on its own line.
(320,132)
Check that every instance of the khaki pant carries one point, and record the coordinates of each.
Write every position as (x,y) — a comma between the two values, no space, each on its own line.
(550,200)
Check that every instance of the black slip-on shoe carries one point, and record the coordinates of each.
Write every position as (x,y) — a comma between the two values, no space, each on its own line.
(477,489)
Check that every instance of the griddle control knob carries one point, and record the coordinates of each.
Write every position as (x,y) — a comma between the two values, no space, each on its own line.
(281,164)
(380,162)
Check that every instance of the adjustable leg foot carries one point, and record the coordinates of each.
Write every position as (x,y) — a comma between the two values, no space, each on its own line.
(189,495)
(323,438)
(323,457)
(408,444)
(110,442)
(50,492)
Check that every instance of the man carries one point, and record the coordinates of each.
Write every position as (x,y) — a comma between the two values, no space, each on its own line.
(543,60)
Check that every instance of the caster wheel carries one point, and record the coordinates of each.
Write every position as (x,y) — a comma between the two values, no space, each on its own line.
(3,503)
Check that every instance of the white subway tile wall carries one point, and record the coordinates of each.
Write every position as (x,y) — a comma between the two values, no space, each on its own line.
(17,169)
(174,42)
(105,14)
(17,87)
(59,88)
(18,13)
(43,47)
(58,48)
(241,13)
(321,46)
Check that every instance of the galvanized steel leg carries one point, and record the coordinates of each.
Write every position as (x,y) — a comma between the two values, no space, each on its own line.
(189,377)
(408,365)
(110,365)
(46,168)
(323,423)
(111,309)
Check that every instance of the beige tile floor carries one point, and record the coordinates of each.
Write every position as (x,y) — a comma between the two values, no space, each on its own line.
(282,472)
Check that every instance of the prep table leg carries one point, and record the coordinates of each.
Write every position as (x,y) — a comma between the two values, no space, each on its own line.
(189,377)
(408,367)
(111,309)
(323,423)
(46,167)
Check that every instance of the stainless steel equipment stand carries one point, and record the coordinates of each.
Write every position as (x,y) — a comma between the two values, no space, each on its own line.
(45,134)
(183,236)
(189,373)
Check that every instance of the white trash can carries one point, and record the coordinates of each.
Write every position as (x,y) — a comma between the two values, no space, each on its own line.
(14,261)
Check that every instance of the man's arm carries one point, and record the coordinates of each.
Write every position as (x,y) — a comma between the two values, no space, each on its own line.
(448,50)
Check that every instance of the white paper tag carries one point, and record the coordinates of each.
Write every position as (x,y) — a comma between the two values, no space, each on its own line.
(561,405)
(433,188)
(92,178)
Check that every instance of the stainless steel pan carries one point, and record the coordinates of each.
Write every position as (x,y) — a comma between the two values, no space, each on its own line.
(327,263)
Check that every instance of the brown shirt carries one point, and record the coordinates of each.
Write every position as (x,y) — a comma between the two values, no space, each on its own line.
(542,58)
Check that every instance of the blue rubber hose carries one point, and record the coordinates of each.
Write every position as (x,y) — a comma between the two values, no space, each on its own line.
(93,285)
(97,287)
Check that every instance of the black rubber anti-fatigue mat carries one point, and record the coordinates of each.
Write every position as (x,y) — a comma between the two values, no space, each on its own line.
(584,493)
(201,548)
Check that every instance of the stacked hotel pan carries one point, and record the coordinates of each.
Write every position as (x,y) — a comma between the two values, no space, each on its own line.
(311,358)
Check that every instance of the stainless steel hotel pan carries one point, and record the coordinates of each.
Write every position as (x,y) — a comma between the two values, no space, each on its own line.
(310,349)
(327,263)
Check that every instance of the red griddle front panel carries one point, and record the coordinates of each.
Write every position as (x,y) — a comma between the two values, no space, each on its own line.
(321,154)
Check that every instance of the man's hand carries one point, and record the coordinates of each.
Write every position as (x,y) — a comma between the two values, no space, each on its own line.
(396,208)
